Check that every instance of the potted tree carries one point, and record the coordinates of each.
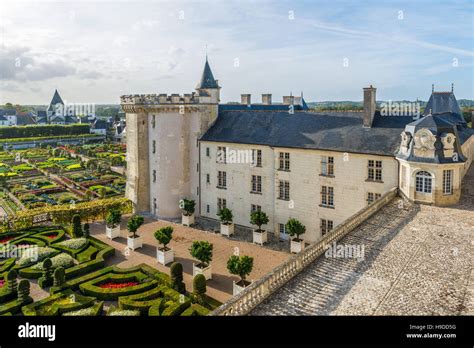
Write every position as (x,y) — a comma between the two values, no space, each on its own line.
(187,206)
(164,254)
(112,223)
(134,241)
(241,266)
(259,218)
(202,250)
(295,229)
(227,227)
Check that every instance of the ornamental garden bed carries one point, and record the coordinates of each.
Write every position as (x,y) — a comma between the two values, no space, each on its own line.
(140,290)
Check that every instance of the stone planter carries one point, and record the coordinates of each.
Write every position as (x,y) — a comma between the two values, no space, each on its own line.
(260,237)
(164,257)
(207,271)
(112,232)
(297,246)
(187,220)
(236,289)
(227,230)
(134,243)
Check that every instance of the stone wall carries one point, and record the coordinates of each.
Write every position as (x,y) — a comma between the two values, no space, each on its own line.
(349,182)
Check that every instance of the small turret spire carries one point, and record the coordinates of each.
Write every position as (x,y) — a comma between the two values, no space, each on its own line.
(207,79)
(452,87)
(432,88)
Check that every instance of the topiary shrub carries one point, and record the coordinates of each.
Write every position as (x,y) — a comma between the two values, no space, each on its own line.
(295,229)
(241,266)
(24,291)
(47,278)
(59,277)
(12,281)
(225,215)
(176,273)
(164,236)
(259,218)
(202,250)
(86,232)
(199,288)
(134,224)
(113,218)
(76,226)
(187,206)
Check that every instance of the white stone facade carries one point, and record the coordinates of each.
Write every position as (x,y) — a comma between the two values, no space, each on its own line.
(350,184)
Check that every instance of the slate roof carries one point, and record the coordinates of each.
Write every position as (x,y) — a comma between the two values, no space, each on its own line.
(8,112)
(342,132)
(100,124)
(56,100)
(207,79)
(442,103)
(2,118)
(25,119)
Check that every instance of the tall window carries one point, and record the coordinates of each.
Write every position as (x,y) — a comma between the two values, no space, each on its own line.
(256,184)
(153,121)
(423,182)
(257,157)
(284,161)
(221,204)
(154,175)
(371,197)
(221,154)
(221,179)
(282,230)
(208,208)
(255,207)
(154,146)
(404,176)
(327,166)
(208,152)
(284,192)
(326,226)
(327,196)
(374,170)
(448,182)
(208,178)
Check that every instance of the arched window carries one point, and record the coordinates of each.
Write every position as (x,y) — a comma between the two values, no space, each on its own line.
(423,182)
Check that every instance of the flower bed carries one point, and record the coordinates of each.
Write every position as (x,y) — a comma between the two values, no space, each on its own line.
(113,285)
(6,240)
(75,243)
(2,283)
(61,260)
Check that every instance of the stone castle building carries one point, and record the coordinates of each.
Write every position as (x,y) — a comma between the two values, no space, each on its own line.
(286,160)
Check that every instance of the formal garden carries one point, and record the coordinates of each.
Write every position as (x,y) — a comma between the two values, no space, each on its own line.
(71,266)
(36,178)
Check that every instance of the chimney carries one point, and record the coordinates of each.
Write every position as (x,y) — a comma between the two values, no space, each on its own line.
(288,100)
(266,99)
(369,106)
(245,99)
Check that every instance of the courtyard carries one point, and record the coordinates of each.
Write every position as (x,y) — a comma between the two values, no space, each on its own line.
(220,287)
(418,261)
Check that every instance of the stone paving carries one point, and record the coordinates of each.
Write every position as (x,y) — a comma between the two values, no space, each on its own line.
(418,261)
(220,287)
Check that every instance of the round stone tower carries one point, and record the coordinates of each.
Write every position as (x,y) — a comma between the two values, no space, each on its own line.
(163,148)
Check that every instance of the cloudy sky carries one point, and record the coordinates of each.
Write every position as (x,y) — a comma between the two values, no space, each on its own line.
(95,51)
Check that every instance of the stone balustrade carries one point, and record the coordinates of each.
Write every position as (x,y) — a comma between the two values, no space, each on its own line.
(259,290)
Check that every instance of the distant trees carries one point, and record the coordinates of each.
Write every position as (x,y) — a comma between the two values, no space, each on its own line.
(43,130)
